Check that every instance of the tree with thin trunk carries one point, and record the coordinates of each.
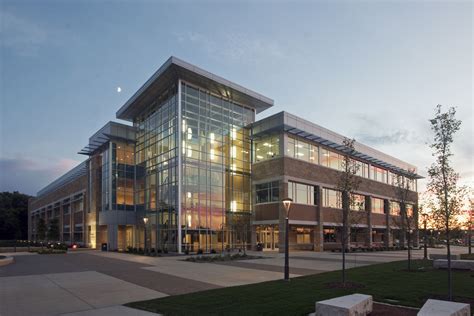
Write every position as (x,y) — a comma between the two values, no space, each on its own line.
(347,183)
(470,221)
(443,182)
(406,220)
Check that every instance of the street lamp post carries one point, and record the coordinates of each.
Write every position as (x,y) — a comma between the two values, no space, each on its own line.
(287,204)
(425,253)
(145,221)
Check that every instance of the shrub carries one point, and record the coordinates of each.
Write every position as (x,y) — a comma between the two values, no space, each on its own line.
(50,251)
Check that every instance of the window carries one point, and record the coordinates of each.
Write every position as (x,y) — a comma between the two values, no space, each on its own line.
(301,193)
(357,202)
(409,210)
(394,208)
(378,174)
(331,159)
(302,150)
(331,198)
(303,235)
(329,234)
(363,169)
(377,206)
(267,148)
(267,192)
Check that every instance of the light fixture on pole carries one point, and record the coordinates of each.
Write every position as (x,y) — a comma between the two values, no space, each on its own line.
(287,204)
(425,219)
(145,221)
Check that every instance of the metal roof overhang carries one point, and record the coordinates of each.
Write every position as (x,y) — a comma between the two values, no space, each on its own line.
(174,69)
(88,150)
(341,148)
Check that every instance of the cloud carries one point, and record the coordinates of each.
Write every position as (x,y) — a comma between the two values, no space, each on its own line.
(21,35)
(28,175)
(371,131)
(234,46)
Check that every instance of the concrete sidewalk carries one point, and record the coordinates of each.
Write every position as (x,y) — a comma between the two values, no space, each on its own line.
(53,294)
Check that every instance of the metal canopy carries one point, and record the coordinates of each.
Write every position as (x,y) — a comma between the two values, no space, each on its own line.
(174,69)
(344,149)
(110,131)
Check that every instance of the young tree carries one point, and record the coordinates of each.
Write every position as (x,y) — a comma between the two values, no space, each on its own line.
(41,229)
(53,230)
(443,182)
(347,183)
(406,220)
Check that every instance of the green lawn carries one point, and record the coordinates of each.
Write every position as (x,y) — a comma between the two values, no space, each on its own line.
(385,282)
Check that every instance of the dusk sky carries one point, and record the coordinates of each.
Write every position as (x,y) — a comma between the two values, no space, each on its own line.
(370,70)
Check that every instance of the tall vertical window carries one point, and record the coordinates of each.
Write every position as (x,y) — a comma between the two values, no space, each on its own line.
(105,172)
(267,192)
(156,166)
(216,146)
(377,206)
(331,198)
(123,174)
(301,193)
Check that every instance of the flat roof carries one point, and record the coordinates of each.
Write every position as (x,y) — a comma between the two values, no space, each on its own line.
(287,122)
(174,69)
(73,174)
(111,130)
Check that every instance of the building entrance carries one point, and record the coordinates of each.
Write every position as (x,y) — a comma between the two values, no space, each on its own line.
(267,236)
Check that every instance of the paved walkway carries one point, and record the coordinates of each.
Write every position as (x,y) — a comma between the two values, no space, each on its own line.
(98,283)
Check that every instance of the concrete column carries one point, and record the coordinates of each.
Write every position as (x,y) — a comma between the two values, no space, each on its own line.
(318,238)
(253,237)
(368,210)
(387,238)
(112,235)
(282,217)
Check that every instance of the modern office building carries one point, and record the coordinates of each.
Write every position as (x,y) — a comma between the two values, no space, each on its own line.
(195,171)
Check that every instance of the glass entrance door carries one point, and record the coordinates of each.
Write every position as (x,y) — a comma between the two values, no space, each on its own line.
(267,236)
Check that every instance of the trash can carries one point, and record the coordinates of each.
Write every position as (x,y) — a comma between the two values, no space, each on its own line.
(104,247)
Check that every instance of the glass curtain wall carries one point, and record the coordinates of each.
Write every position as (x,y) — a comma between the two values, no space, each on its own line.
(216,187)
(156,157)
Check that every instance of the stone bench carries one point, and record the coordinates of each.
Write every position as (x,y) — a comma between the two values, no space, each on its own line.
(444,308)
(455,264)
(349,305)
(4,260)
(434,256)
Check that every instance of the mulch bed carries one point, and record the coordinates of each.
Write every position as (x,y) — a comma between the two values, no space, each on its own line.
(392,310)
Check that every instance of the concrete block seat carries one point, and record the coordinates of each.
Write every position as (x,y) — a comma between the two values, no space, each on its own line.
(444,308)
(434,256)
(349,305)
(455,264)
(4,260)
